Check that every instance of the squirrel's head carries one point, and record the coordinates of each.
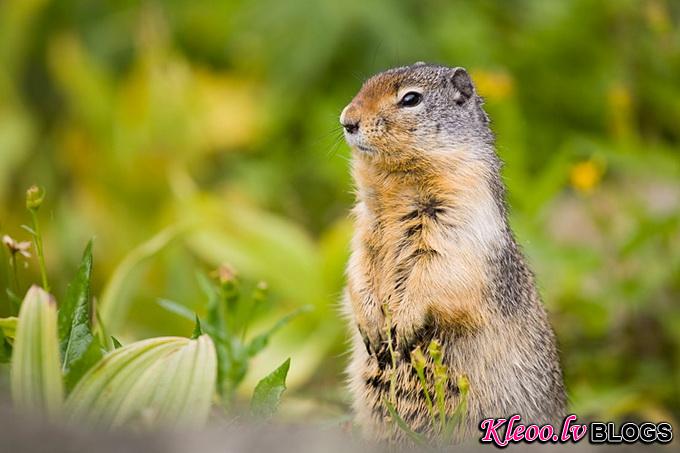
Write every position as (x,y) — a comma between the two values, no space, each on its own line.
(414,113)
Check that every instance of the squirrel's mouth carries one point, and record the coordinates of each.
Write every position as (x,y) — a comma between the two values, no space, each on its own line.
(358,142)
(359,145)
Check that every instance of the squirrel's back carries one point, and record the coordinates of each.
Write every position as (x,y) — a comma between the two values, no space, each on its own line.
(433,258)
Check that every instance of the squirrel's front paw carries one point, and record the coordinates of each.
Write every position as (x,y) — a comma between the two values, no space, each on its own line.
(373,339)
(398,343)
(411,332)
(396,333)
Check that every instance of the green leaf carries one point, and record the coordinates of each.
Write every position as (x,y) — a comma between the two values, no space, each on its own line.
(167,381)
(258,243)
(267,393)
(182,394)
(197,329)
(8,327)
(207,287)
(79,347)
(458,418)
(92,398)
(35,376)
(100,331)
(258,343)
(230,370)
(116,344)
(415,437)
(176,308)
(113,303)
(87,360)
(14,300)
(5,349)
(30,230)
(76,303)
(186,313)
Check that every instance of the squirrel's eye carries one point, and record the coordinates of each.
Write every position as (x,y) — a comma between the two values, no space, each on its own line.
(410,99)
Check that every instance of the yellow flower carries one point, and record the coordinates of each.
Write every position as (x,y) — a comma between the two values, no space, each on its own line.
(586,175)
(658,17)
(418,360)
(435,351)
(493,85)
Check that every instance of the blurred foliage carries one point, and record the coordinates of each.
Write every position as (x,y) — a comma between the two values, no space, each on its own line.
(62,349)
(192,134)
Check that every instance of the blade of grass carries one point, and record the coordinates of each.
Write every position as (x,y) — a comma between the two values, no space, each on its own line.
(419,439)
(258,343)
(176,308)
(113,306)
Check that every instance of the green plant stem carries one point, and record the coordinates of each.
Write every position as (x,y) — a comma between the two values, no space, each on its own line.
(428,400)
(439,385)
(248,318)
(458,419)
(37,241)
(393,373)
(15,281)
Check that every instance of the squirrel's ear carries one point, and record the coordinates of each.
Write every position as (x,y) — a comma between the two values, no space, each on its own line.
(463,85)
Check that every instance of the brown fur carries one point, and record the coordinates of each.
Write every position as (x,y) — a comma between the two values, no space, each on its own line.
(433,250)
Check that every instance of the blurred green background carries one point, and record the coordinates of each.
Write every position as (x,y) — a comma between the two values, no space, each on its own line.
(183,135)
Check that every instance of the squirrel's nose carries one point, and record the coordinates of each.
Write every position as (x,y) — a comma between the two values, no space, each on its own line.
(349,120)
(351,126)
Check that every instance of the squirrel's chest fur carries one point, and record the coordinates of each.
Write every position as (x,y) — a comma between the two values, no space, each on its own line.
(421,250)
(438,262)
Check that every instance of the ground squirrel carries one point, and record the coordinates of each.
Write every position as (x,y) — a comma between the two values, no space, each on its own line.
(433,257)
